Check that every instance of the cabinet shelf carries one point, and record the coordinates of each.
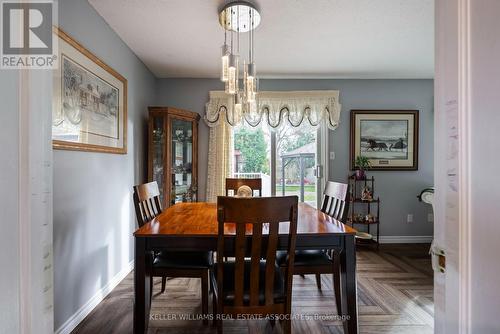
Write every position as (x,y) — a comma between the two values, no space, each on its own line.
(180,193)
(365,223)
(366,179)
(359,200)
(182,141)
(372,241)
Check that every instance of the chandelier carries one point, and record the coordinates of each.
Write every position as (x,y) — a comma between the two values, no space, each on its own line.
(239,17)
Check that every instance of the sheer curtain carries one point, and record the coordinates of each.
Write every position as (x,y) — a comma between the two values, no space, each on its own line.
(220,160)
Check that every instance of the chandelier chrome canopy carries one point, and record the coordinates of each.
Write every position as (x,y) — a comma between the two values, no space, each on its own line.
(239,17)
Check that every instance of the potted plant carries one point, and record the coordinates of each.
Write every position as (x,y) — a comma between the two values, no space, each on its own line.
(361,163)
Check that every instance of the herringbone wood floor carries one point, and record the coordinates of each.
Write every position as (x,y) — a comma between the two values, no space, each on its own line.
(395,295)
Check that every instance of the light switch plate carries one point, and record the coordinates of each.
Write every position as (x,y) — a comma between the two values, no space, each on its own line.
(332,155)
(409,219)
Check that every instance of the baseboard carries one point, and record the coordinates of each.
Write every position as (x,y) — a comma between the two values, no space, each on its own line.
(406,239)
(73,321)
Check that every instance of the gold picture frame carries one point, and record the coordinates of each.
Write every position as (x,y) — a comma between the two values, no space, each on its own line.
(89,101)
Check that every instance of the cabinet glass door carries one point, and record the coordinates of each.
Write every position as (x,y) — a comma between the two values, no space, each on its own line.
(183,187)
(158,152)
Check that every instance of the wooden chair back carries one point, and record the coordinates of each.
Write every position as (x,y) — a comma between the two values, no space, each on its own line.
(258,217)
(234,184)
(147,202)
(335,201)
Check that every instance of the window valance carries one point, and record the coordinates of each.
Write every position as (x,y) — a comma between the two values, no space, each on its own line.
(276,108)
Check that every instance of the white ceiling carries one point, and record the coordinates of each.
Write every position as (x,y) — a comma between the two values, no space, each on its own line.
(296,38)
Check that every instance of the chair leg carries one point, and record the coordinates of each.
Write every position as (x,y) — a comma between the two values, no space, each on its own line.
(220,327)
(336,283)
(286,326)
(151,289)
(318,281)
(214,308)
(163,283)
(204,296)
(220,310)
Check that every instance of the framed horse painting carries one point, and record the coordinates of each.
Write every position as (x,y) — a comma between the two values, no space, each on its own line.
(388,138)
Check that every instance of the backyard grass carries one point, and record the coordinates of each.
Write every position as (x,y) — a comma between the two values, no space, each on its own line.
(296,187)
(309,198)
(291,189)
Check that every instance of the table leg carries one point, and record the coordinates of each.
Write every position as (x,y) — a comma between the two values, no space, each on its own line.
(142,286)
(348,284)
(336,280)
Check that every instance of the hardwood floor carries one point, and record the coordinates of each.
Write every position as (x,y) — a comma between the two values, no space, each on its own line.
(395,295)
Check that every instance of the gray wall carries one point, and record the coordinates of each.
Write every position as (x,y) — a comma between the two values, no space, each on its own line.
(397,190)
(9,195)
(93,209)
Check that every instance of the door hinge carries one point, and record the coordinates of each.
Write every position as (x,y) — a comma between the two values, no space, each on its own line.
(438,259)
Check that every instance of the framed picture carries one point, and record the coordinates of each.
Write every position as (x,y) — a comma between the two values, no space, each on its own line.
(90,102)
(388,138)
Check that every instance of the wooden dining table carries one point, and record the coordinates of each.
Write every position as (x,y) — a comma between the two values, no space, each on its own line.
(193,227)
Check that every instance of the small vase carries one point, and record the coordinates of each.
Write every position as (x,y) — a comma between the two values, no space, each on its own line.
(360,174)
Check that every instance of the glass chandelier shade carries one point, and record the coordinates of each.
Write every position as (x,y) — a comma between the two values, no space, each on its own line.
(250,82)
(224,76)
(232,83)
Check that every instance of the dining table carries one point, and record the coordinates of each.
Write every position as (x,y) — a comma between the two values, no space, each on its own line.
(194,227)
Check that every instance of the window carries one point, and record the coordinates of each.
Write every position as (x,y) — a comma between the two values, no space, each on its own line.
(252,154)
(285,159)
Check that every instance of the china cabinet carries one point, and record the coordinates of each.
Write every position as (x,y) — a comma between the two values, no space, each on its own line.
(173,154)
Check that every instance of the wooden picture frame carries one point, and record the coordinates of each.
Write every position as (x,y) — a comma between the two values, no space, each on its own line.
(89,101)
(389,138)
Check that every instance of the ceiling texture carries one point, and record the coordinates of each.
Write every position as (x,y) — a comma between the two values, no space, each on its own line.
(296,38)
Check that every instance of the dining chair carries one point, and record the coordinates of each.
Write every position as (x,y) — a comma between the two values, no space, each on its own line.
(233,184)
(335,204)
(171,263)
(252,283)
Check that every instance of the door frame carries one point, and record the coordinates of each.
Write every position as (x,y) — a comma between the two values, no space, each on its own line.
(464,167)
(35,165)
(453,90)
(322,160)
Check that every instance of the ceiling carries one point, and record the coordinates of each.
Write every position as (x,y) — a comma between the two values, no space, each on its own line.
(296,38)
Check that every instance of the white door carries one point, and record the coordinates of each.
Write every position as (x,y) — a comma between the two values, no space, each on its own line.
(467,119)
